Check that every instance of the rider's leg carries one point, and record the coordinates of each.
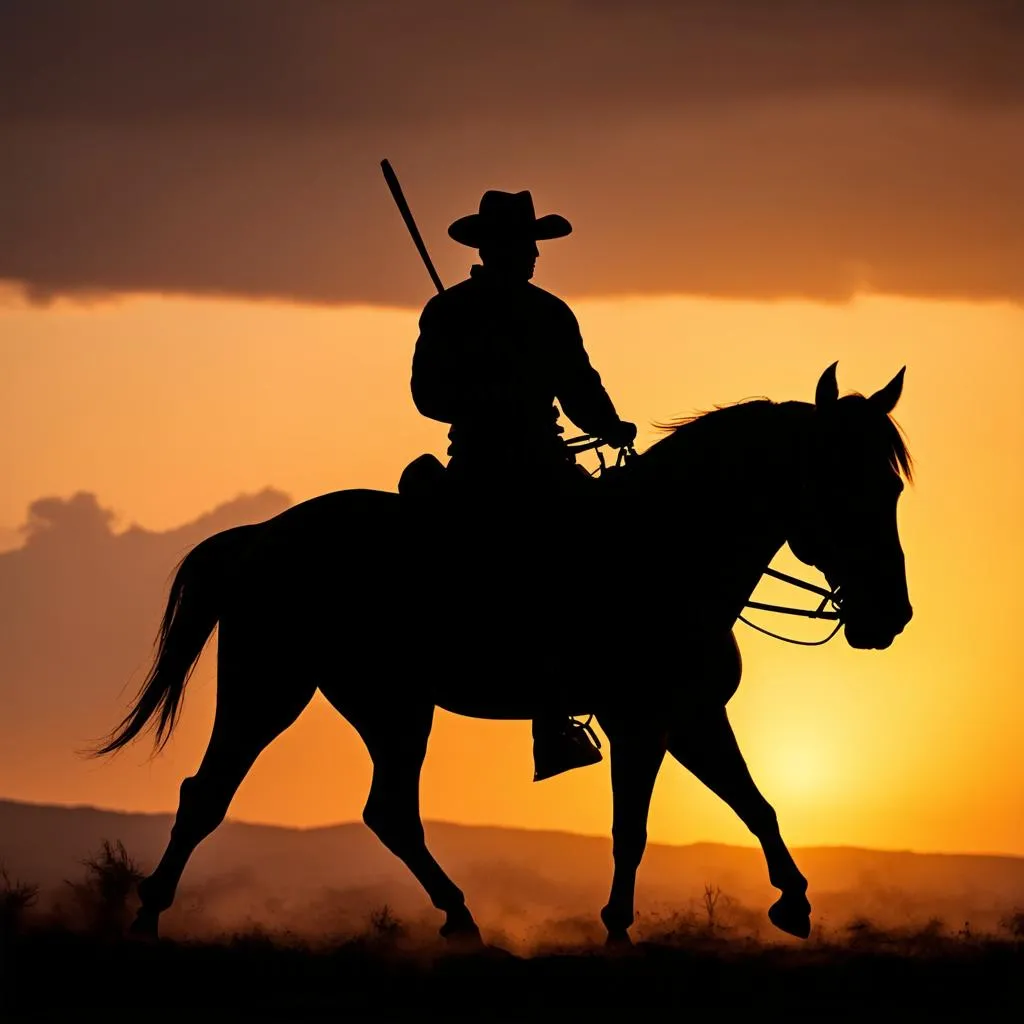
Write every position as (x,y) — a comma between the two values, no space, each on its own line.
(560,743)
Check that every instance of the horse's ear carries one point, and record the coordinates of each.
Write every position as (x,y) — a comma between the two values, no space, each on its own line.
(827,390)
(887,398)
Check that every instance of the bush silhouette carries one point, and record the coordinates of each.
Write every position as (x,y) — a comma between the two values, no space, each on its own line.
(1013,923)
(15,899)
(712,896)
(385,927)
(105,894)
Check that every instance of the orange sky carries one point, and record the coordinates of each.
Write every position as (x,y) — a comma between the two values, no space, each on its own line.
(166,407)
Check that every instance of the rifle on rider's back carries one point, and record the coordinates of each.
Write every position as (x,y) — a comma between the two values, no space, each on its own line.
(403,208)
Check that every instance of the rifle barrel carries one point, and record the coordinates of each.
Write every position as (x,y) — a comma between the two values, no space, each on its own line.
(403,208)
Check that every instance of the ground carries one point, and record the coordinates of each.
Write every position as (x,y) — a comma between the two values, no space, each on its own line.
(53,973)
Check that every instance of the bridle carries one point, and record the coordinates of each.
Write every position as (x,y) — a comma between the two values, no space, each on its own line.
(828,597)
(830,607)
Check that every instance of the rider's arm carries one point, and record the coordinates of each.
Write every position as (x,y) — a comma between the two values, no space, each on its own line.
(434,368)
(578,385)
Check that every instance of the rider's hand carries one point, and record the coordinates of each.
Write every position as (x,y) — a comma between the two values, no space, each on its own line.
(622,436)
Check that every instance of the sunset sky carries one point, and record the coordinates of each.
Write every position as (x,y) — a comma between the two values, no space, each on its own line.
(210,301)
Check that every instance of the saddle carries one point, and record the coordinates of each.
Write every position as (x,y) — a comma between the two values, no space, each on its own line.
(426,478)
(423,479)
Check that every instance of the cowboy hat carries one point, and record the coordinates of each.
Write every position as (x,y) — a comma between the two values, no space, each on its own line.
(505,216)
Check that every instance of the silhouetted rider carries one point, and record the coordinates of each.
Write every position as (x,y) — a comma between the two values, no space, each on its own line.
(494,354)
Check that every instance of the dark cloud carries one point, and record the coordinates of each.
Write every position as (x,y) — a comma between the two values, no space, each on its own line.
(76,520)
(720,147)
(9,539)
(79,606)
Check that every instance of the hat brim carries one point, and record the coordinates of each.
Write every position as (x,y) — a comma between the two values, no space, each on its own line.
(475,230)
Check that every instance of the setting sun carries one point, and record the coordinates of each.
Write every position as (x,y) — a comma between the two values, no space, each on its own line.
(802,770)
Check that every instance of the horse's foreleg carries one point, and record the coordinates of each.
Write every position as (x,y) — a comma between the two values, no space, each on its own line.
(704,743)
(636,756)
(396,738)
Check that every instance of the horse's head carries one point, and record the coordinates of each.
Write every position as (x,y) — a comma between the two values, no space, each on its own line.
(854,468)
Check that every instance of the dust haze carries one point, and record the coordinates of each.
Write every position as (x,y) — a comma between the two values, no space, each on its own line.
(527,888)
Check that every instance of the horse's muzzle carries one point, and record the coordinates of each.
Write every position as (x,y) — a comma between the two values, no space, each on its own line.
(877,633)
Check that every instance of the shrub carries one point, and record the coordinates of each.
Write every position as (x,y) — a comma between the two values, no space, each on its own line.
(384,926)
(1013,923)
(104,896)
(15,899)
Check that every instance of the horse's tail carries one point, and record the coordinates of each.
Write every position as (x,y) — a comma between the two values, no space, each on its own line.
(193,609)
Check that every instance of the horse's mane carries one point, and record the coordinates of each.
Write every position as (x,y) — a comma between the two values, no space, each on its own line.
(739,413)
(730,409)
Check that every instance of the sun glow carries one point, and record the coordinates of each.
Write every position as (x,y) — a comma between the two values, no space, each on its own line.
(800,767)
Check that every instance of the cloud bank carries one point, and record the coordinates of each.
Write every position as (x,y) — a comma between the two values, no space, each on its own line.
(716,148)
(79,606)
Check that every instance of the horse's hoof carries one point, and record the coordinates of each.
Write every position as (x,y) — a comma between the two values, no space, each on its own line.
(791,914)
(464,941)
(461,932)
(489,952)
(145,927)
(618,939)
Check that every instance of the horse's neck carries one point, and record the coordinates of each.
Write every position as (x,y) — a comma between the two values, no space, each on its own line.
(727,484)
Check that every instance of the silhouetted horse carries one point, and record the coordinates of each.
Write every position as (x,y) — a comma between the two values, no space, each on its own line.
(332,594)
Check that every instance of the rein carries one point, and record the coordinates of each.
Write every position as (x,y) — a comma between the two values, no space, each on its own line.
(827,597)
(587,442)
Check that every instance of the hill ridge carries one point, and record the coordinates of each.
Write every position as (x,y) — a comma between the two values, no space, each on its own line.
(311,830)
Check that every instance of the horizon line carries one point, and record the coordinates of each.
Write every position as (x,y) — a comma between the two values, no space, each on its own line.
(17,295)
(605,838)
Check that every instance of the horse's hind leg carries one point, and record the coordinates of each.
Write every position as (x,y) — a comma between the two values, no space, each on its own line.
(253,707)
(396,738)
(703,742)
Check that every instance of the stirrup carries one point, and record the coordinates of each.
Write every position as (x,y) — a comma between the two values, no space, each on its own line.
(575,747)
(574,723)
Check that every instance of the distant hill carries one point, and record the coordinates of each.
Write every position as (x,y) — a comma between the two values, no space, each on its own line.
(516,881)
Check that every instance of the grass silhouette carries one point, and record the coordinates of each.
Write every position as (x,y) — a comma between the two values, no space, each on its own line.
(16,899)
(66,964)
(106,896)
(385,972)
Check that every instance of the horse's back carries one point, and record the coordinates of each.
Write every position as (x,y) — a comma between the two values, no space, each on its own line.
(327,508)
(341,544)
(335,520)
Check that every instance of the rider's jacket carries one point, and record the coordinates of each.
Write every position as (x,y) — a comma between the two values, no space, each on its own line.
(491,359)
